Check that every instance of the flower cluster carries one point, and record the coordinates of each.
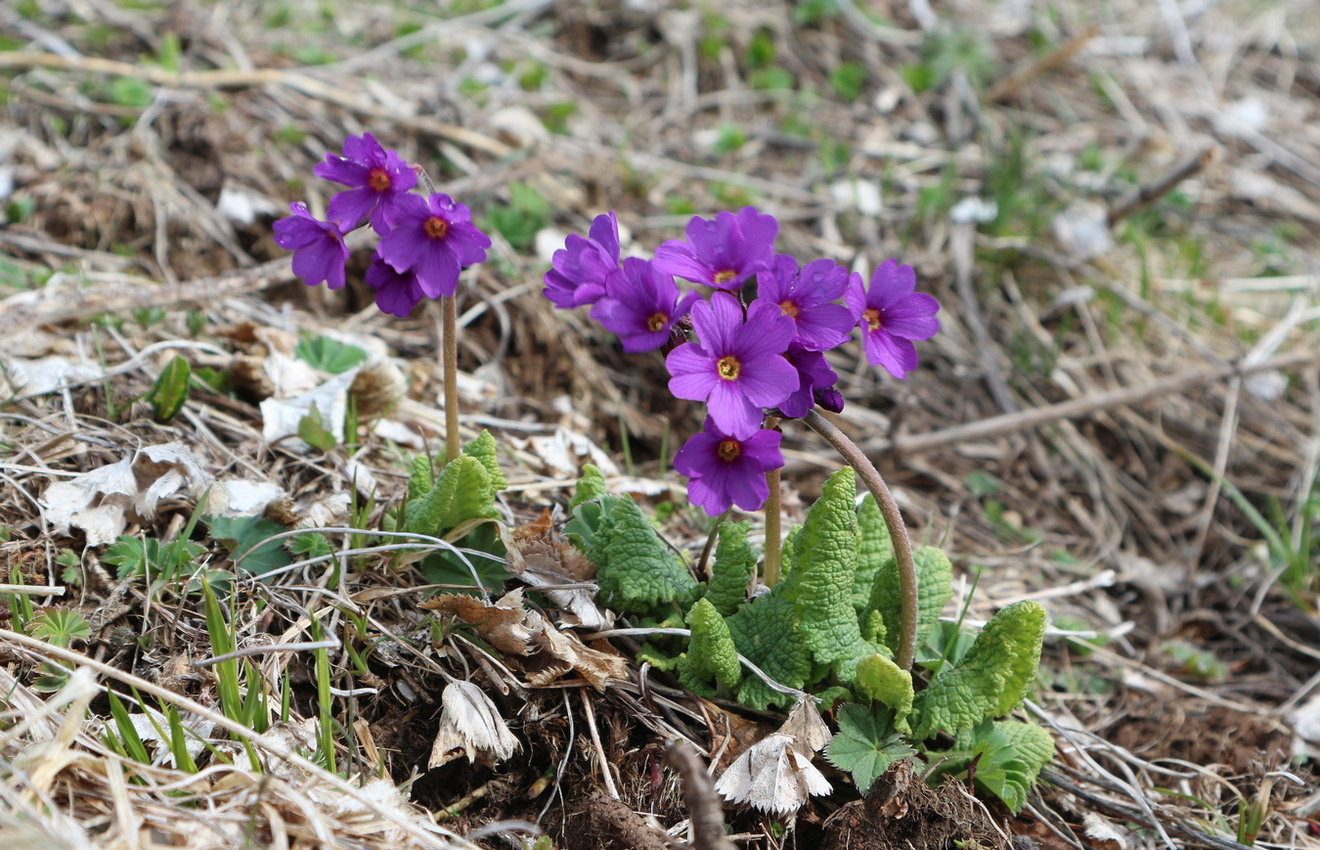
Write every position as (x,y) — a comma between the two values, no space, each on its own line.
(746,359)
(425,242)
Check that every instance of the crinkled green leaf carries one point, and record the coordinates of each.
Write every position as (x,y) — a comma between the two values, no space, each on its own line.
(992,678)
(873,549)
(636,572)
(462,492)
(483,449)
(866,744)
(711,655)
(590,486)
(879,678)
(934,588)
(422,477)
(824,561)
(767,632)
(732,570)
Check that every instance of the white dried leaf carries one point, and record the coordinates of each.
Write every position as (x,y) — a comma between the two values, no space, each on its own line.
(807,728)
(565,451)
(862,195)
(973,209)
(773,776)
(1082,230)
(470,725)
(101,502)
(47,374)
(1106,833)
(241,497)
(280,417)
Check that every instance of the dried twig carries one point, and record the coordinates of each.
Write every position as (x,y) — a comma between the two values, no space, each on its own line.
(705,812)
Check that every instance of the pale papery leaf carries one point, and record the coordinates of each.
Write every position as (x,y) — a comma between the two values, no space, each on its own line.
(470,725)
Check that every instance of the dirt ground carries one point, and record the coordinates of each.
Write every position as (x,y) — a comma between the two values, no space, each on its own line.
(1116,205)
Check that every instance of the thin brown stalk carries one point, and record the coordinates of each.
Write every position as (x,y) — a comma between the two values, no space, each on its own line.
(907,570)
(773,554)
(449,359)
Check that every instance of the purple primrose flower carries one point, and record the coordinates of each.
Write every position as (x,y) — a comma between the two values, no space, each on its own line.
(725,470)
(815,377)
(737,366)
(579,269)
(397,293)
(435,238)
(722,253)
(377,178)
(641,305)
(806,295)
(891,315)
(319,252)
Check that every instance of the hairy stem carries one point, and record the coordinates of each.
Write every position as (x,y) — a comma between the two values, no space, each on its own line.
(449,359)
(907,570)
(773,528)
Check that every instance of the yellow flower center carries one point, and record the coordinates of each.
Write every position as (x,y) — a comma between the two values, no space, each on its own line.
(379,180)
(724,276)
(789,308)
(656,322)
(728,367)
(872,318)
(436,227)
(729,450)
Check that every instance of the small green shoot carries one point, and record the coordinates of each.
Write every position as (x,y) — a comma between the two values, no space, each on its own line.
(170,391)
(329,355)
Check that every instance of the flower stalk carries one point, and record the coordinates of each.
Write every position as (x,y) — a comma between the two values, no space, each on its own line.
(907,570)
(772,553)
(449,365)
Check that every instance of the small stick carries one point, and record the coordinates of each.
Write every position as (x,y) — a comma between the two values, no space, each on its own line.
(1064,53)
(705,812)
(33,589)
(1147,195)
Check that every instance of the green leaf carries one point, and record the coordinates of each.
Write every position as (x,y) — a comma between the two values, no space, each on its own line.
(824,562)
(873,549)
(636,571)
(129,554)
(171,389)
(462,492)
(993,677)
(711,655)
(590,486)
(329,355)
(59,626)
(866,744)
(766,631)
(1008,756)
(445,567)
(241,534)
(312,431)
(934,588)
(879,678)
(483,450)
(732,570)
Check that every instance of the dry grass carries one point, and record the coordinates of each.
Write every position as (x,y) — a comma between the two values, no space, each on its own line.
(1086,427)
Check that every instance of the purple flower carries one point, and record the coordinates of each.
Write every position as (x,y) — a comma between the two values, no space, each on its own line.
(435,238)
(891,315)
(397,293)
(319,252)
(378,177)
(814,376)
(737,366)
(806,296)
(722,253)
(723,469)
(579,269)
(641,305)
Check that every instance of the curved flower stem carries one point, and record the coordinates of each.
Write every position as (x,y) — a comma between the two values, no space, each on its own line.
(449,361)
(907,570)
(773,553)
